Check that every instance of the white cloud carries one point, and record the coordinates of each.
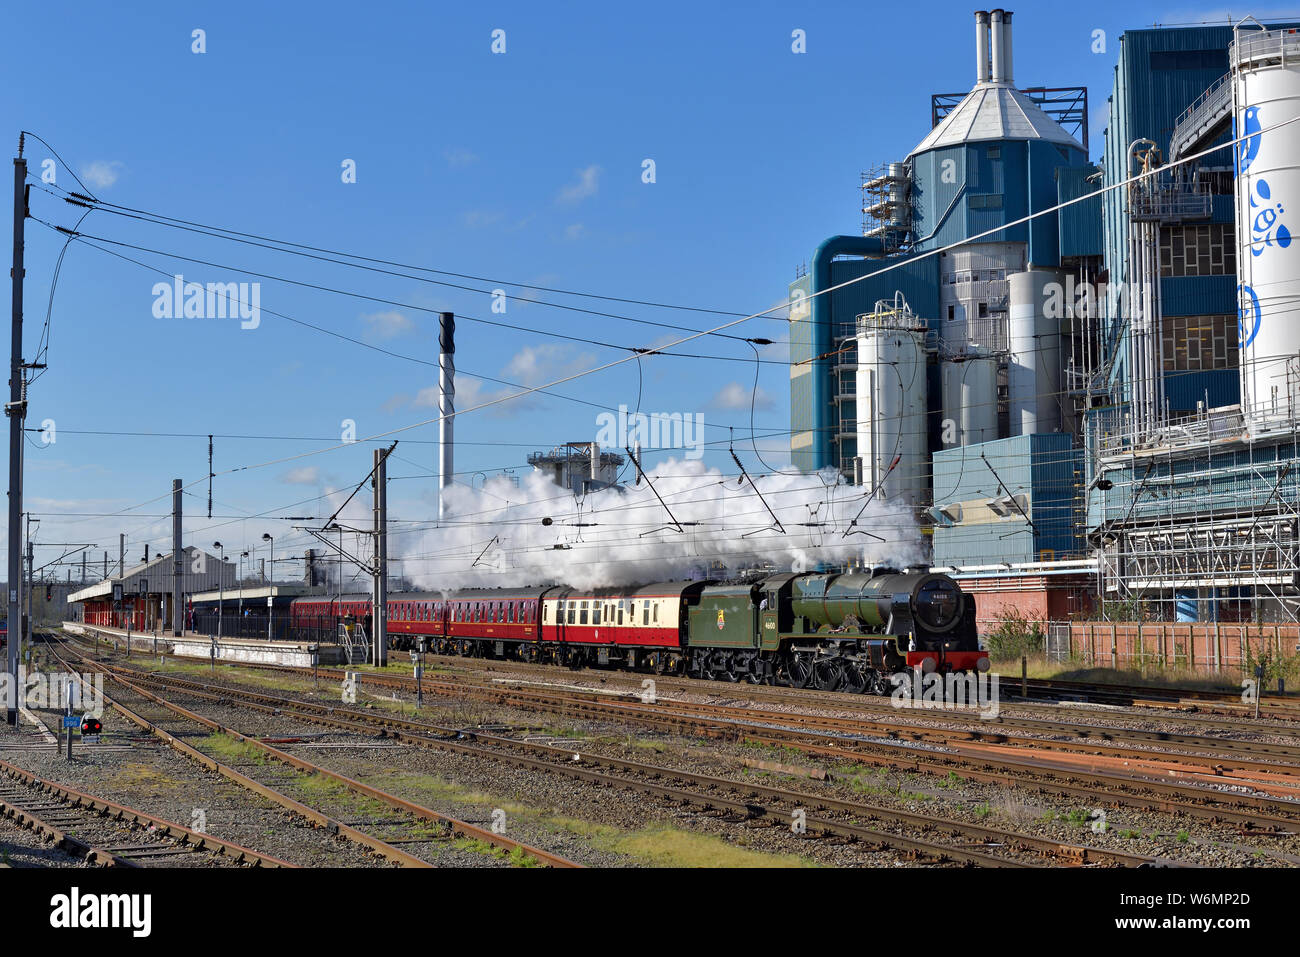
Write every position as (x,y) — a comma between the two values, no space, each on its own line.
(588,183)
(386,325)
(535,365)
(101,174)
(306,475)
(477,218)
(471,393)
(459,156)
(574,231)
(734,395)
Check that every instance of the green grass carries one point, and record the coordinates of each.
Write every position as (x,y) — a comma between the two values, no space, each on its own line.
(657,845)
(516,856)
(230,749)
(321,786)
(663,845)
(1079,817)
(895,790)
(1183,837)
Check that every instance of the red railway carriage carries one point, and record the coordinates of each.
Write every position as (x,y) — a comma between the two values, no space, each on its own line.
(651,616)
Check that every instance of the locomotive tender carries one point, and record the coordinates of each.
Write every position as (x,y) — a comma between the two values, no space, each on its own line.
(846,632)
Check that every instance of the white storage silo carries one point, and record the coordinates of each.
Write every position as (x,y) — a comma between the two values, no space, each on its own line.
(970,400)
(891,404)
(1034,372)
(1266,94)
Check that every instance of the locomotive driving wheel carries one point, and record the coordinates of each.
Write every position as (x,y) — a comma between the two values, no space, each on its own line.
(855,680)
(799,670)
(828,674)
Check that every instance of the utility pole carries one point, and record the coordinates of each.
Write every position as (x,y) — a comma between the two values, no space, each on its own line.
(106,564)
(446,406)
(177,558)
(83,568)
(380,587)
(121,554)
(31,582)
(17,412)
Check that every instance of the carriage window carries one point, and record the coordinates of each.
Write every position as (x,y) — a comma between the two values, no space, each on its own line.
(620,612)
(645,612)
(595,613)
(656,611)
(582,613)
(573,611)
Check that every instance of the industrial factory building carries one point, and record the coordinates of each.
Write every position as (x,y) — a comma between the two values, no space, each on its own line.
(1090,407)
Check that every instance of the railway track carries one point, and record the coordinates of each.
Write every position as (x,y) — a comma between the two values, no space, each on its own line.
(413,818)
(107,834)
(1071,694)
(1282,707)
(1251,814)
(837,818)
(1221,803)
(1271,767)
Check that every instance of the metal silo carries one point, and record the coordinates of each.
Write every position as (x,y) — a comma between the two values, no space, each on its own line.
(891,387)
(1034,366)
(1266,94)
(970,399)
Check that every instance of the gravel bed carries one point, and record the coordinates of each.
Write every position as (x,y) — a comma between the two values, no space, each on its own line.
(548,811)
(153,778)
(20,847)
(1157,835)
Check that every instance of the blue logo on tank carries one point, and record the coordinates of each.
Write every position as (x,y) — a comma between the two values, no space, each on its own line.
(1248,315)
(1266,227)
(1248,148)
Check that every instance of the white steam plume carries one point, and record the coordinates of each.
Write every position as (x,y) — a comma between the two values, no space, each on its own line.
(496,536)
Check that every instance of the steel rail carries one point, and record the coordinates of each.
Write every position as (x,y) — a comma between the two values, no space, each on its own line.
(182,835)
(366,722)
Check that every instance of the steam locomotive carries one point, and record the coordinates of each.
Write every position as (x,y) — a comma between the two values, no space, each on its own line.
(846,632)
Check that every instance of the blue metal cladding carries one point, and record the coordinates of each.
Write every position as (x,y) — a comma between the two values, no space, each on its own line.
(1233,481)
(974,188)
(1081,223)
(1044,468)
(812,407)
(936,197)
(1198,295)
(916,279)
(821,388)
(1217,387)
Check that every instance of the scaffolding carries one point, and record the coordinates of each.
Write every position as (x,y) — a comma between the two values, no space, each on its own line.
(1204,525)
(886,205)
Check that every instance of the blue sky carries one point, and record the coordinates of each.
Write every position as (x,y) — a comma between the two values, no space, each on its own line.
(524,167)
